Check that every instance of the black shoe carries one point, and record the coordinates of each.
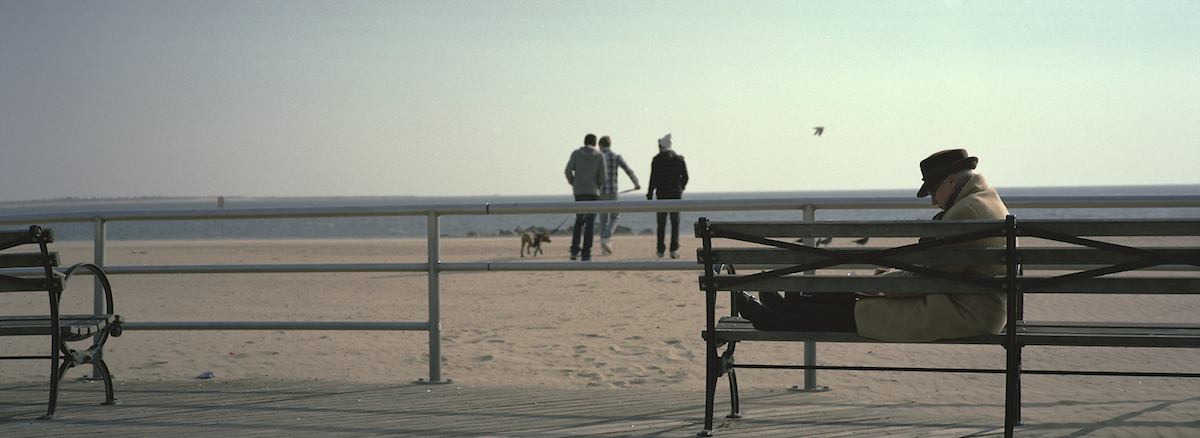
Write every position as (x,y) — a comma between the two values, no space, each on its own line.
(747,306)
(764,318)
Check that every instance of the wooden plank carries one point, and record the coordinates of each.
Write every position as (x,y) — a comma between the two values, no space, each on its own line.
(923,284)
(1116,285)
(12,238)
(733,328)
(1029,257)
(73,326)
(26,260)
(939,256)
(856,229)
(39,284)
(259,407)
(1073,227)
(1115,227)
(844,283)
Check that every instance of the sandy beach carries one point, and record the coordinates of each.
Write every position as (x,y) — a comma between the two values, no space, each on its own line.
(573,330)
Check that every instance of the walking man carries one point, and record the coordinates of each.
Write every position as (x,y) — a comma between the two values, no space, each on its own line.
(586,173)
(609,192)
(668,176)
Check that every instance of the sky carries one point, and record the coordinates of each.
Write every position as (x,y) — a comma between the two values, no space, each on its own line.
(131,98)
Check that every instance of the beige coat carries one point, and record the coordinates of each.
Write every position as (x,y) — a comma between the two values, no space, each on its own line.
(926,317)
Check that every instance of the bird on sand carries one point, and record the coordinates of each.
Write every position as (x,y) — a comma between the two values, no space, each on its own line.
(825,241)
(817,131)
(862,241)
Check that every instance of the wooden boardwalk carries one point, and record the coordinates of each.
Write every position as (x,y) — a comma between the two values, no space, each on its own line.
(262,407)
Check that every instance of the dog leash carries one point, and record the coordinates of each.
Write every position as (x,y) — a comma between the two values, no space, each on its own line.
(560,224)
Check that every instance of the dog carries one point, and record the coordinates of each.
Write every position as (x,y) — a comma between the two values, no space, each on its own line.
(532,241)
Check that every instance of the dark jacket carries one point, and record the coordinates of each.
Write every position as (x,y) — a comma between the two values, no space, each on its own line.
(668,175)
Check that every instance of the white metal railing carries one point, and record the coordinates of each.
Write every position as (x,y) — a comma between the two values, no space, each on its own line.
(433,266)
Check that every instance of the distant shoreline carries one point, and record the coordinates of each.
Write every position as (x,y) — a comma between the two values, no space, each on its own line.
(372,199)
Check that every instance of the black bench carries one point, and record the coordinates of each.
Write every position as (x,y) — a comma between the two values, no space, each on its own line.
(35,272)
(1072,256)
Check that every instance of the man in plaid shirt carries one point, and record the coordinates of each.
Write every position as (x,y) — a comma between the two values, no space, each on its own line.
(609,192)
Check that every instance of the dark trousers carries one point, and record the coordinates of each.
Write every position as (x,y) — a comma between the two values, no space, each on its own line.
(585,224)
(662,231)
(833,312)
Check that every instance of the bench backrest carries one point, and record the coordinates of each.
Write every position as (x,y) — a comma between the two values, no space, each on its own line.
(28,271)
(1077,256)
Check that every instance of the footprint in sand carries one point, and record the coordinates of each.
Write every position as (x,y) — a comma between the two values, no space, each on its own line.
(633,350)
(157,364)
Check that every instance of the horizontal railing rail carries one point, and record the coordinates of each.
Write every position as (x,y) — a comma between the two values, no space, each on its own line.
(763,204)
(434,267)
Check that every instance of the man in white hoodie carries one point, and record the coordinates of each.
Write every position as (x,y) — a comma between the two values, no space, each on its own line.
(586,172)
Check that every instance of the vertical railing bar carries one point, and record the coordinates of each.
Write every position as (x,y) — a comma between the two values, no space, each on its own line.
(99,236)
(435,302)
(810,347)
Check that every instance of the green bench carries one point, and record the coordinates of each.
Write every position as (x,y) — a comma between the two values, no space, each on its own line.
(35,272)
(1054,257)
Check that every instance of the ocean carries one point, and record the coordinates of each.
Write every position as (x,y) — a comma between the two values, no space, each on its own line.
(494,225)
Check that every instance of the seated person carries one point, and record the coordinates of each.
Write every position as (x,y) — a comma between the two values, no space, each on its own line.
(961,194)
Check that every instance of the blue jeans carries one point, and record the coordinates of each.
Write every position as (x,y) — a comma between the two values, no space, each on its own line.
(608,221)
(585,223)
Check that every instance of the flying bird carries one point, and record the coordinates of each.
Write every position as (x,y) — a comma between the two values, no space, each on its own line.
(817,131)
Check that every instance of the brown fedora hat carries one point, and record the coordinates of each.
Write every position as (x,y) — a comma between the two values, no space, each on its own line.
(939,165)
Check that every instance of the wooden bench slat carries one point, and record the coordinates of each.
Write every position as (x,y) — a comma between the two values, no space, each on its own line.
(925,228)
(844,283)
(794,230)
(1116,227)
(74,326)
(1030,257)
(26,260)
(733,328)
(923,284)
(16,284)
(12,238)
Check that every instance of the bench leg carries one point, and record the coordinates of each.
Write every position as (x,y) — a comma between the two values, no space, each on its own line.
(109,397)
(710,392)
(1012,392)
(55,376)
(736,411)
(69,359)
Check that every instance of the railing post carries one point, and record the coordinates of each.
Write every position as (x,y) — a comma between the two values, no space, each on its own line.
(435,301)
(98,300)
(810,347)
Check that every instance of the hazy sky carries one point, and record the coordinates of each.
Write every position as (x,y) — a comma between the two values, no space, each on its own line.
(354,98)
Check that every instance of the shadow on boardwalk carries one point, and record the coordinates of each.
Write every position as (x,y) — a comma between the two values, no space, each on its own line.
(262,407)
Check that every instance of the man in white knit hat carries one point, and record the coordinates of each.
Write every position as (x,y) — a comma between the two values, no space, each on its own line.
(668,177)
